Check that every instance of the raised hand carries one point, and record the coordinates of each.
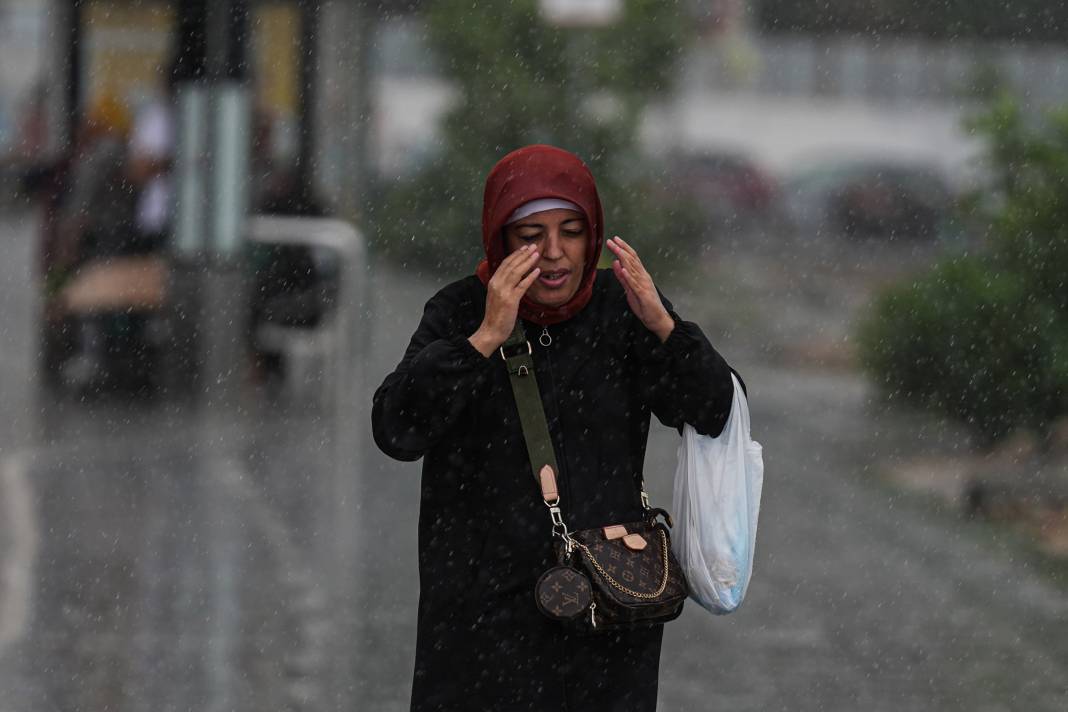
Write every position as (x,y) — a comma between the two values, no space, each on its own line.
(503,293)
(642,296)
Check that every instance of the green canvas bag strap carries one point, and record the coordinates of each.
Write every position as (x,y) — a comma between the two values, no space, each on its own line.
(517,354)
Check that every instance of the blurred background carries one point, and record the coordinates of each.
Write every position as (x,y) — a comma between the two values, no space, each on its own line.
(220,221)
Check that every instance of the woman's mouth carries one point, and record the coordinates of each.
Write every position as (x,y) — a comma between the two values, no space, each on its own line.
(554,279)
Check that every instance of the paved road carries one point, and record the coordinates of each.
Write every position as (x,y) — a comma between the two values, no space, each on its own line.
(157,559)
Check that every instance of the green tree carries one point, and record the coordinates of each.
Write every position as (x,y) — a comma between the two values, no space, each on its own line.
(521,80)
(984,337)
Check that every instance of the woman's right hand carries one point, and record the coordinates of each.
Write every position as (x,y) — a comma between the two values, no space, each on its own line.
(503,293)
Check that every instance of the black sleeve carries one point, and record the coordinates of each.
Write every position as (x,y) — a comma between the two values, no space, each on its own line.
(440,374)
(684,379)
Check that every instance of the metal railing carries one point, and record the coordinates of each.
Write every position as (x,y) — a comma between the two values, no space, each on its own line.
(335,339)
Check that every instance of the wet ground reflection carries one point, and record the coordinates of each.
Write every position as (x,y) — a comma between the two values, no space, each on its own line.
(178,564)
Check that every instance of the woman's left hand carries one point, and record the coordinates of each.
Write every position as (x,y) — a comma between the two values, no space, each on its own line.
(641,293)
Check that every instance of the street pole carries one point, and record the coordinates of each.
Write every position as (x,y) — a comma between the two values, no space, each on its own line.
(211,171)
(307,73)
(213,117)
(72,13)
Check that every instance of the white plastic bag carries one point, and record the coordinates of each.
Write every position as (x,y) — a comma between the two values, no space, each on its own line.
(717,501)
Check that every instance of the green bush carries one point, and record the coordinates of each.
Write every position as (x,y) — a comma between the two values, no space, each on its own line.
(984,338)
(966,340)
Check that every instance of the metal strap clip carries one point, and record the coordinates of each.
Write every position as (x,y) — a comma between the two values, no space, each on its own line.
(503,356)
(559,528)
(556,516)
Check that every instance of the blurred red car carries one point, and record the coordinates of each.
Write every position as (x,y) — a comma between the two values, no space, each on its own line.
(728,187)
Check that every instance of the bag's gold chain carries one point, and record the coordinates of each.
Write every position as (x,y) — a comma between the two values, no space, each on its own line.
(621,587)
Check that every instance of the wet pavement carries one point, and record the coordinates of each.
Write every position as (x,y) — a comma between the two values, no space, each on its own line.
(160,557)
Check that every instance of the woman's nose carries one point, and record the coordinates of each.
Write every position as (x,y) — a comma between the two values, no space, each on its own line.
(552,250)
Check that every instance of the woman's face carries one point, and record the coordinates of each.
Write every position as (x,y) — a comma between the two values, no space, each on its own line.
(560,237)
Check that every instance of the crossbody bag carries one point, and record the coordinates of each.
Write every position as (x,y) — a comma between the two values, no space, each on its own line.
(620,575)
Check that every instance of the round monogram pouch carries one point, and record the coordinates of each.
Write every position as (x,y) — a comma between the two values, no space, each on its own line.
(562,593)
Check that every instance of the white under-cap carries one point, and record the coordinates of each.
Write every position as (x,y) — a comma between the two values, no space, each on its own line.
(539,206)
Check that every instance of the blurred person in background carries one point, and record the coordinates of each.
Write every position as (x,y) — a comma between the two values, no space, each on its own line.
(94,208)
(43,175)
(111,271)
(99,197)
(609,350)
(151,160)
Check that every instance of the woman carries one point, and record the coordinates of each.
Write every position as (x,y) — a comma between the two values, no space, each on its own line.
(608,350)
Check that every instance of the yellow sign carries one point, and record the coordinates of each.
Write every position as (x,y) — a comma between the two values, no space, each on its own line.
(275,54)
(127,48)
(125,51)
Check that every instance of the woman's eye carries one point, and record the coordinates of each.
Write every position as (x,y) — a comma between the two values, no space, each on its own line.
(529,238)
(574,233)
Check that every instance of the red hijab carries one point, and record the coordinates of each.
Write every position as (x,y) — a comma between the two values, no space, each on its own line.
(531,173)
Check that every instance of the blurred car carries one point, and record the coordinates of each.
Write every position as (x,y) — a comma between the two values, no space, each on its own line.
(728,187)
(869,198)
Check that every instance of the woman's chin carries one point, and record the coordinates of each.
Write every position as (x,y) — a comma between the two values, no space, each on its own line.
(551,298)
